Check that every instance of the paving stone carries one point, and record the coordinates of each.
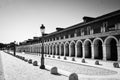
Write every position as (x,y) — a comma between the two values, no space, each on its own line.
(16,69)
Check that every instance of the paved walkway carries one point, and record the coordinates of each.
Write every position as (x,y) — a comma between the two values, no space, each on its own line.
(1,69)
(86,71)
(16,69)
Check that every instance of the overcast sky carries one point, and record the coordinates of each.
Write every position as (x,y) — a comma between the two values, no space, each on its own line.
(21,19)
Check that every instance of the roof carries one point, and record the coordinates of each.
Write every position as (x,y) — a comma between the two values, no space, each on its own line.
(105,16)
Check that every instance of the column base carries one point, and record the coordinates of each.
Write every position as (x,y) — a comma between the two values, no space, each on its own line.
(104,59)
(42,67)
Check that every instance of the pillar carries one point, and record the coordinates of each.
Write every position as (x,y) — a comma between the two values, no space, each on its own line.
(83,51)
(92,47)
(75,51)
(60,49)
(64,50)
(69,50)
(49,50)
(104,52)
(118,51)
(56,49)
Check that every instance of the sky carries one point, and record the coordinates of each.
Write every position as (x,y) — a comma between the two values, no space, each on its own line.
(21,19)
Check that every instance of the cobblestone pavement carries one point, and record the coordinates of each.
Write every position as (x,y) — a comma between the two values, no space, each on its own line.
(1,69)
(80,69)
(77,68)
(16,69)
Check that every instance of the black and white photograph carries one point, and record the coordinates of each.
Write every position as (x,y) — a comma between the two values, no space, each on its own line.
(59,39)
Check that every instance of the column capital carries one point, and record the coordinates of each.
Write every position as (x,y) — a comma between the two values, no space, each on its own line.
(118,45)
(92,45)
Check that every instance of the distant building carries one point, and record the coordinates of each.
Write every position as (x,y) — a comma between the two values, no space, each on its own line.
(95,38)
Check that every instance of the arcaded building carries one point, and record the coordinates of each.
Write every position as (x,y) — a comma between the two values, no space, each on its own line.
(94,38)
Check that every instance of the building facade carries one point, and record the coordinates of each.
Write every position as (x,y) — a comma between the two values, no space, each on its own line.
(95,38)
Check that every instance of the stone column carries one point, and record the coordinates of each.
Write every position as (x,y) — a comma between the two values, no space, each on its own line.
(83,51)
(92,47)
(69,50)
(52,50)
(104,52)
(55,49)
(75,51)
(49,50)
(118,51)
(60,49)
(64,50)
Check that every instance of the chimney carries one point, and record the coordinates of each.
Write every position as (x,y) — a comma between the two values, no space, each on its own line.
(59,29)
(87,19)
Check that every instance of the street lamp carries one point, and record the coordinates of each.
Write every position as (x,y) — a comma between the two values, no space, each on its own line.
(14,48)
(42,28)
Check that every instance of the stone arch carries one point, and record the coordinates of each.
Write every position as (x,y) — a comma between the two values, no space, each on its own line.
(109,37)
(79,48)
(66,49)
(111,48)
(72,49)
(87,47)
(98,49)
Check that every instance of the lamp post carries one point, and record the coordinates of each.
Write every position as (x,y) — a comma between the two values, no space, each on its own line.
(14,48)
(42,28)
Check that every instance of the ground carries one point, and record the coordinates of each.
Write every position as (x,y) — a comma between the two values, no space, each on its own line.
(16,69)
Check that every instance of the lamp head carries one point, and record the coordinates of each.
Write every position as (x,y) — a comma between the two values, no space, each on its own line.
(42,28)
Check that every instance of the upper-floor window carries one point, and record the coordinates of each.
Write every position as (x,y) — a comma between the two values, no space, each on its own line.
(61,37)
(57,38)
(117,26)
(78,32)
(91,30)
(104,27)
(71,34)
(82,31)
(88,30)
(66,35)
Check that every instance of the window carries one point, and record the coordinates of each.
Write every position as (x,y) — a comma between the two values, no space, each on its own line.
(104,27)
(88,30)
(78,32)
(61,37)
(71,33)
(91,30)
(66,35)
(117,26)
(57,38)
(82,31)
